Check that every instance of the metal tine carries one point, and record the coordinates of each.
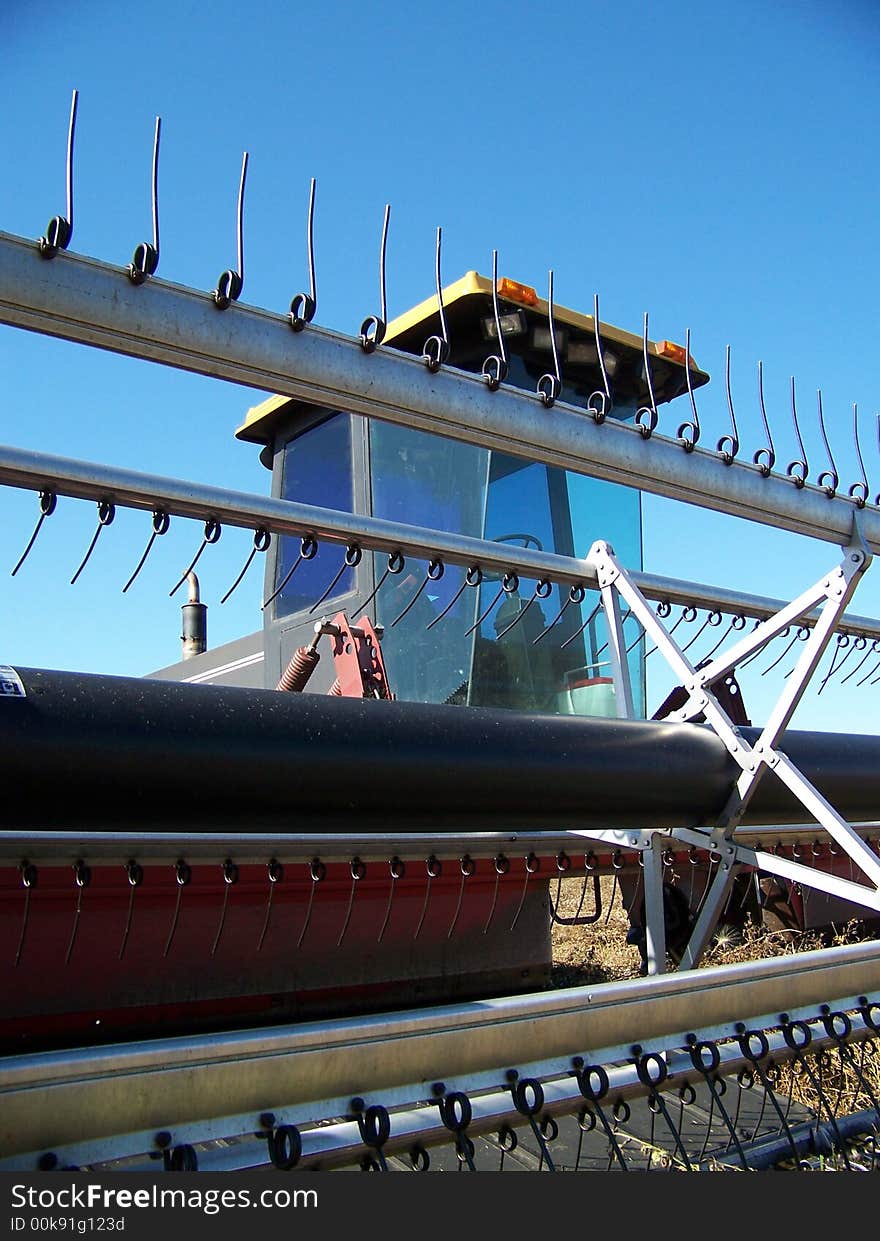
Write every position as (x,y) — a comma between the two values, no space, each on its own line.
(576,594)
(433,870)
(543,590)
(502,867)
(599,404)
(764,458)
(373,327)
(397,870)
(145,260)
(436,348)
(351,558)
(161,522)
(550,386)
(801,634)
(106,513)
(28,874)
(48,503)
(496,365)
(843,645)
(308,550)
(213,530)
(871,650)
(82,877)
(304,305)
(689,432)
(396,564)
(859,491)
(467,866)
(736,623)
(624,618)
(262,539)
(728,445)
(231,283)
(532,866)
(318,873)
(757,653)
(595,612)
(182,876)
(829,479)
(473,577)
(713,618)
(230,877)
(274,873)
(357,870)
(509,584)
(799,469)
(435,571)
(876,647)
(59,230)
(647,417)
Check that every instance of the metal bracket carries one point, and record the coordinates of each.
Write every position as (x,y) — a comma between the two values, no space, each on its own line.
(831,594)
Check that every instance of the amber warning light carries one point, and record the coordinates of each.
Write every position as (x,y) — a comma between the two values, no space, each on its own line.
(667,349)
(516,292)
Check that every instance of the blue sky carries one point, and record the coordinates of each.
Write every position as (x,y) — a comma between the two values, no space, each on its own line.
(713,164)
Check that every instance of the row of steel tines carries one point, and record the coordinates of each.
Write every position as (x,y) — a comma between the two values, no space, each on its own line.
(437,348)
(695,1124)
(845,647)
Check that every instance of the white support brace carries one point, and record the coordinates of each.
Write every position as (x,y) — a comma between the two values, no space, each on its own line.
(831,594)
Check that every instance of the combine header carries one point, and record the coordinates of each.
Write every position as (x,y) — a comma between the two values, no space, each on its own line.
(306,880)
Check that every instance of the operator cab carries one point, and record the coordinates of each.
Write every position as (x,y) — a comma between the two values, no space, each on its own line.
(474,654)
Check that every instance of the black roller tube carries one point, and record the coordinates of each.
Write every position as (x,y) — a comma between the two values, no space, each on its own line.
(88,752)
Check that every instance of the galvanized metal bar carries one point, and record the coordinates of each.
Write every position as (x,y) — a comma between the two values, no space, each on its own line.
(94,1093)
(87,480)
(91,302)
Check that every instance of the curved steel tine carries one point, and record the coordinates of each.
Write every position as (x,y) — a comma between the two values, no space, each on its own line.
(764,458)
(145,260)
(433,869)
(875,647)
(357,870)
(308,550)
(736,623)
(262,539)
(28,874)
(502,867)
(467,866)
(373,327)
(861,643)
(182,876)
(495,367)
(396,564)
(859,491)
(82,877)
(713,618)
(106,513)
(435,571)
(473,577)
(595,612)
(760,649)
(274,873)
(532,866)
(829,479)
(689,432)
(799,469)
(599,404)
(509,585)
(843,644)
(351,558)
(304,305)
(436,348)
(550,386)
(230,877)
(231,283)
(135,875)
(318,873)
(543,590)
(800,635)
(48,503)
(576,594)
(728,445)
(623,619)
(59,230)
(161,522)
(647,417)
(212,533)
(397,870)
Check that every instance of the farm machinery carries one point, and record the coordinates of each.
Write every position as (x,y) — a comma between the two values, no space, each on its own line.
(289,900)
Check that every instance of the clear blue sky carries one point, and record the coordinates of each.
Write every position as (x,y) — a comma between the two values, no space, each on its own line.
(713,164)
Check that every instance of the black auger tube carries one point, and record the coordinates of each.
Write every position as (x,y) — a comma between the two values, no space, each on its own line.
(82,751)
